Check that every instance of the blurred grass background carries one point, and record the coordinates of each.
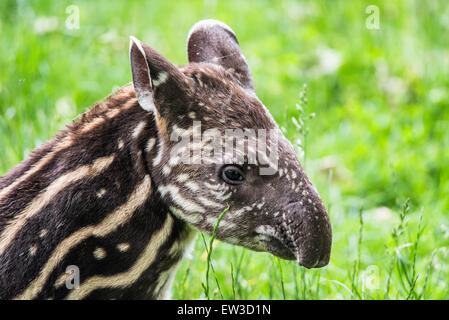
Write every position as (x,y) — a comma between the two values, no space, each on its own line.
(380,135)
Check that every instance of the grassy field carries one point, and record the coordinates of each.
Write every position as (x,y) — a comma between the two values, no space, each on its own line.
(377,148)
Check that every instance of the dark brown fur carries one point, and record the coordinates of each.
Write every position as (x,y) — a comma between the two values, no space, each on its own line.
(116,162)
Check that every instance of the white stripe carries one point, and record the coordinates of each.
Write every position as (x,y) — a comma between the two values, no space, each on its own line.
(182,177)
(209,203)
(118,217)
(192,186)
(138,129)
(160,152)
(150,144)
(162,77)
(48,194)
(127,278)
(192,218)
(179,199)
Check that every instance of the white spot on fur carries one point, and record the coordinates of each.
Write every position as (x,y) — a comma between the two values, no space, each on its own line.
(182,177)
(101,193)
(166,170)
(162,77)
(121,144)
(128,277)
(266,229)
(43,233)
(123,247)
(33,250)
(192,115)
(99,253)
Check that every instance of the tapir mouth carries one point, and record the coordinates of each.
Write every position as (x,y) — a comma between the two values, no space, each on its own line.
(284,249)
(276,247)
(301,236)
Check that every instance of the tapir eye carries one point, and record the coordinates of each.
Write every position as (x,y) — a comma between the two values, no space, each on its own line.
(232,174)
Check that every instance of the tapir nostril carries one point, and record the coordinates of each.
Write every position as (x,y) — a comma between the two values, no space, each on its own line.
(290,202)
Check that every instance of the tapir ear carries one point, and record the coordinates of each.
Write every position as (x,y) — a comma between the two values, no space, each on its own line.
(160,87)
(214,42)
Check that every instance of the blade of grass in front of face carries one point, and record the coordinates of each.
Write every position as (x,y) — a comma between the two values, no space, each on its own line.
(232,281)
(272,276)
(278,262)
(206,287)
(304,283)
(295,278)
(237,273)
(209,254)
(317,284)
(186,276)
(213,271)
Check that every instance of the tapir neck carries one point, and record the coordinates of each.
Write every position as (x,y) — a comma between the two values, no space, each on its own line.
(80,217)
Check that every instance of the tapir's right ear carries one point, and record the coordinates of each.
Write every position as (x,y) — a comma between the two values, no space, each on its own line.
(160,87)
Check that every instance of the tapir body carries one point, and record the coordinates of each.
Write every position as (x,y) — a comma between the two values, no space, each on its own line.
(114,201)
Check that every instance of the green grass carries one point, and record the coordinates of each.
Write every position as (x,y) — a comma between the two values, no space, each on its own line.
(380,135)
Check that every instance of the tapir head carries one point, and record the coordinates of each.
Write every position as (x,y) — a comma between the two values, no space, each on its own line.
(219,147)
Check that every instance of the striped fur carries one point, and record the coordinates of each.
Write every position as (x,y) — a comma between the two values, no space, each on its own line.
(109,196)
(50,202)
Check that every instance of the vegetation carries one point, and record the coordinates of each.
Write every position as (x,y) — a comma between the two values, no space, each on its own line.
(377,149)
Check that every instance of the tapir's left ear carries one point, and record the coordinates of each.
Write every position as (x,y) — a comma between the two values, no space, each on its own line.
(214,42)
(160,87)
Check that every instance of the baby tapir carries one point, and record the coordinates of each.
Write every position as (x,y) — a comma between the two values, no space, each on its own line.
(108,208)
